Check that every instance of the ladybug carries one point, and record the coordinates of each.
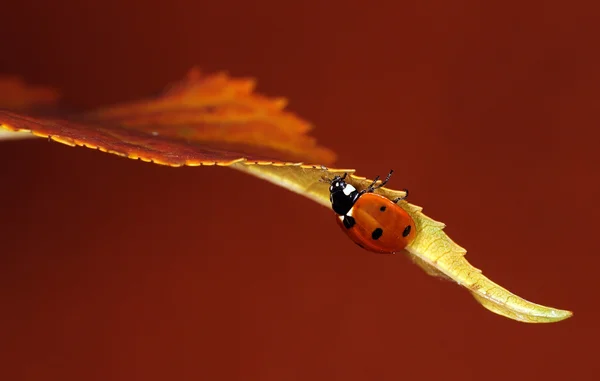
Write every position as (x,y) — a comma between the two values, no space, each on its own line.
(372,221)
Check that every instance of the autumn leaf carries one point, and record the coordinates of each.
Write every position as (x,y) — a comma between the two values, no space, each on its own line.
(218,120)
(201,120)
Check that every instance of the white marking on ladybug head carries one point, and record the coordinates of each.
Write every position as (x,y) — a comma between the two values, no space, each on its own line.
(349,214)
(348,189)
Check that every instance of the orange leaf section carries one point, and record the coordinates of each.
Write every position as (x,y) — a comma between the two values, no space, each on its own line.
(202,120)
(17,96)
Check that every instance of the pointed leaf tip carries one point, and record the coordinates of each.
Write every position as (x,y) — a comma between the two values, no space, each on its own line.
(436,250)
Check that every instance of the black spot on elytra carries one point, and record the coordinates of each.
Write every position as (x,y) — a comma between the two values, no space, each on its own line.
(349,222)
(406,231)
(377,233)
(382,208)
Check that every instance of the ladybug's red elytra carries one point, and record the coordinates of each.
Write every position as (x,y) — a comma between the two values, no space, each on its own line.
(372,221)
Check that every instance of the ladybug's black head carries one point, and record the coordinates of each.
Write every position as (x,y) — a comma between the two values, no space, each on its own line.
(337,184)
(342,195)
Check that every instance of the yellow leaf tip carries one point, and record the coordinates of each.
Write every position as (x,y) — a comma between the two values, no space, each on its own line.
(561,314)
(552,316)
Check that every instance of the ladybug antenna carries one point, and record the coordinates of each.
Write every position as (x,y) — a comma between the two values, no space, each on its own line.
(328,180)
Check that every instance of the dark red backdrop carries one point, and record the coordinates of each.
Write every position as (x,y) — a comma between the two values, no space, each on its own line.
(113,269)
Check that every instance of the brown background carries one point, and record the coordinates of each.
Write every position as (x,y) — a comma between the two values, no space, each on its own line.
(113,269)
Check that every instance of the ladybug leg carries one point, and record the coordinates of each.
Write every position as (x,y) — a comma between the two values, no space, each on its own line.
(371,187)
(384,181)
(401,198)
